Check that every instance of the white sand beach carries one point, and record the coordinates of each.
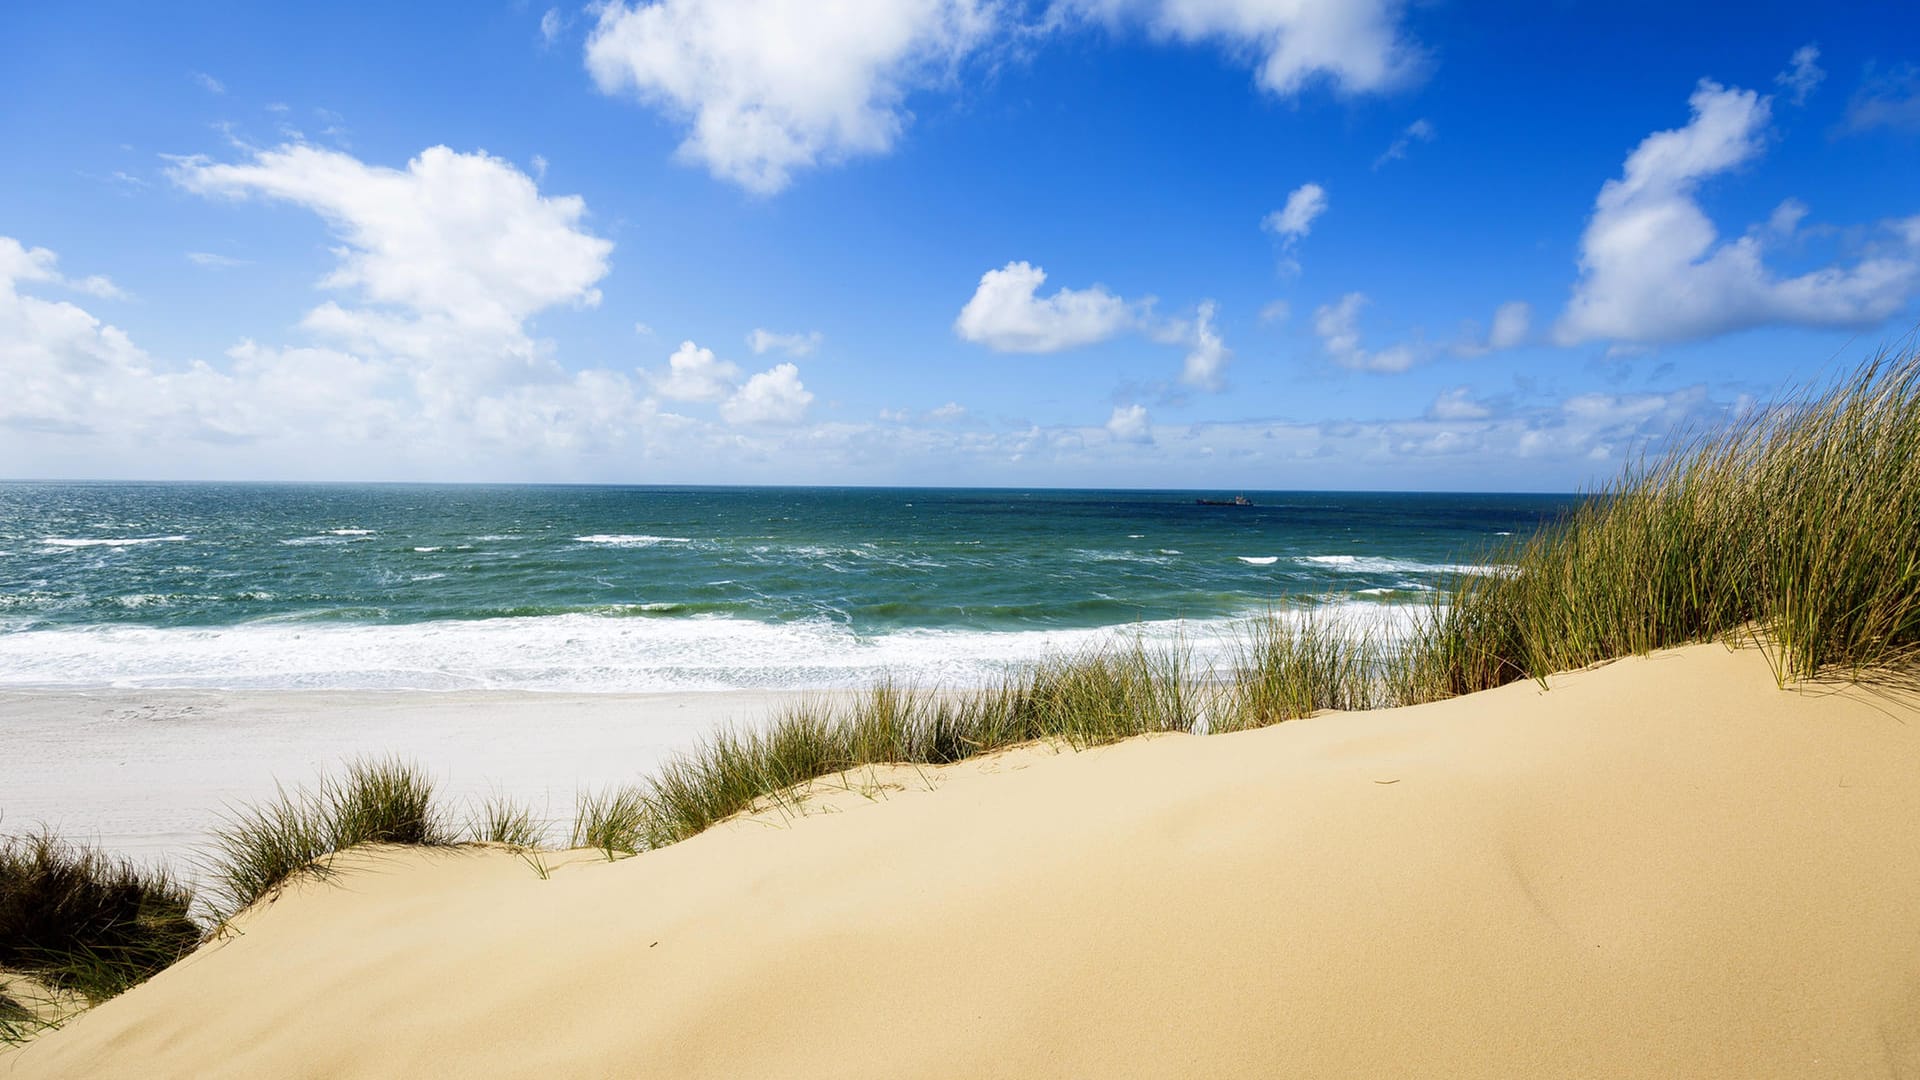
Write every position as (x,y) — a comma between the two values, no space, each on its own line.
(147,772)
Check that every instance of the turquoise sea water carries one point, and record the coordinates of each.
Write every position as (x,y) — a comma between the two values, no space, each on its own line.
(617,588)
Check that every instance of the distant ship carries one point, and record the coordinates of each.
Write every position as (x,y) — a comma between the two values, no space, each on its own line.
(1237,500)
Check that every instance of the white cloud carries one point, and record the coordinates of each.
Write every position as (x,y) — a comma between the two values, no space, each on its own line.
(1457,404)
(1418,131)
(462,239)
(643,329)
(552,24)
(952,410)
(695,374)
(209,259)
(1786,218)
(208,83)
(1802,75)
(1652,269)
(1295,219)
(774,396)
(768,87)
(1209,355)
(1510,323)
(1129,423)
(1006,316)
(762,341)
(1275,311)
(1338,326)
(1355,45)
(21,263)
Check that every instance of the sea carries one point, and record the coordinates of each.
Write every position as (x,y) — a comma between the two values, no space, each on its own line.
(641,589)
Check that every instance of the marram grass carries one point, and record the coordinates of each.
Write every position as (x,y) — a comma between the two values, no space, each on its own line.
(1798,526)
(84,923)
(378,801)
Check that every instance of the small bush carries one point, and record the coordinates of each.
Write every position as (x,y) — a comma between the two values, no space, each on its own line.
(85,922)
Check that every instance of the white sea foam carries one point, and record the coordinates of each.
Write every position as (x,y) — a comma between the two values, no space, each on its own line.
(349,532)
(631,540)
(1374,564)
(426,550)
(1258,560)
(577,653)
(87,542)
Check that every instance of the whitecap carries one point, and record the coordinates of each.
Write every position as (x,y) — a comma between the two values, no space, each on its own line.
(1378,564)
(349,532)
(86,542)
(631,539)
(426,550)
(1258,560)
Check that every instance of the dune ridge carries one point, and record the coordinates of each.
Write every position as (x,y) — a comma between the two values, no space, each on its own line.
(1663,866)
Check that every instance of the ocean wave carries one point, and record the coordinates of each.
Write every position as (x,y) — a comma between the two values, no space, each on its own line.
(426,550)
(631,540)
(583,653)
(88,541)
(1375,564)
(1258,560)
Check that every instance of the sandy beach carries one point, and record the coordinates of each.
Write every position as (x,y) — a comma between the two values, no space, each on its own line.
(1661,867)
(147,772)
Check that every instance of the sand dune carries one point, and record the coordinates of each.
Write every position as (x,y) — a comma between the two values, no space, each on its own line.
(1663,867)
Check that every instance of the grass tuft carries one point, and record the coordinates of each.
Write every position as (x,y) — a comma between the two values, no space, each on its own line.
(500,820)
(379,801)
(83,922)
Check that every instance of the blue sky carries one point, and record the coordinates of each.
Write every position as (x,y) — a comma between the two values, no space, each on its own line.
(1189,243)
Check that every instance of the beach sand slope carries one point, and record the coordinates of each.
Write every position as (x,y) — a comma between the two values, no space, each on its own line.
(1661,867)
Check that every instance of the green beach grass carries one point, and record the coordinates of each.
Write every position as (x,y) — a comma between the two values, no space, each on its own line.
(1796,529)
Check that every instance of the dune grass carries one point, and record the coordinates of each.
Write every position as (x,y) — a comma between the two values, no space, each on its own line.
(1798,526)
(83,922)
(378,801)
(500,820)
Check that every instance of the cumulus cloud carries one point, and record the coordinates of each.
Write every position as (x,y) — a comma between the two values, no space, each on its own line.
(764,341)
(1338,327)
(695,374)
(951,411)
(1652,269)
(465,238)
(1005,315)
(1418,131)
(1802,75)
(1356,46)
(1207,360)
(769,87)
(775,396)
(1129,423)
